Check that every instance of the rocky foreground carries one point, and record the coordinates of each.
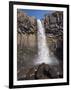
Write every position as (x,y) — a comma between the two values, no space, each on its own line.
(42,71)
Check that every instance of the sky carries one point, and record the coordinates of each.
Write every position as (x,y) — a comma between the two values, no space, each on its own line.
(39,14)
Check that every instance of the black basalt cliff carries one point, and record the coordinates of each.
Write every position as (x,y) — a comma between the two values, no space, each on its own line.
(53,25)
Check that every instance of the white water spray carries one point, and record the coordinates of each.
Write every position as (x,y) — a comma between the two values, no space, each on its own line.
(43,50)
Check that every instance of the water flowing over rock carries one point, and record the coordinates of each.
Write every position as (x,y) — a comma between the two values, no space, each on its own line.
(43,50)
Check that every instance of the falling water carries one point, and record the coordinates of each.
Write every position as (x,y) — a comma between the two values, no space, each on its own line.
(43,50)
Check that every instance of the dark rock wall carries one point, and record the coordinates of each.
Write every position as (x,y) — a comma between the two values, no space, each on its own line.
(54,23)
(26,24)
(26,28)
(26,39)
(54,31)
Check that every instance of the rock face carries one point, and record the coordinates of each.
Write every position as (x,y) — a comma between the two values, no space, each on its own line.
(54,31)
(42,71)
(26,39)
(26,27)
(26,24)
(54,23)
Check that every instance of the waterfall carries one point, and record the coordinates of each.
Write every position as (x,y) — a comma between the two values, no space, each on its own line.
(43,50)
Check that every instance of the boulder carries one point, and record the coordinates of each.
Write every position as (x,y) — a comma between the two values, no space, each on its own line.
(42,71)
(55,71)
(31,74)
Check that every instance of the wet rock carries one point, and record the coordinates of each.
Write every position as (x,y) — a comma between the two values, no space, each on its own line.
(55,71)
(46,71)
(22,73)
(42,71)
(31,74)
(59,49)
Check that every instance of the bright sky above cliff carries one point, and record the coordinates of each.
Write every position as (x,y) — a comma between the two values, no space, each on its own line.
(39,14)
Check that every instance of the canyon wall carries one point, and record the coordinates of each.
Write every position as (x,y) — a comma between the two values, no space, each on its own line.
(54,31)
(26,30)
(27,46)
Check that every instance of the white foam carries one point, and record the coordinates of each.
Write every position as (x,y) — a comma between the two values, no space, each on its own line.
(43,50)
